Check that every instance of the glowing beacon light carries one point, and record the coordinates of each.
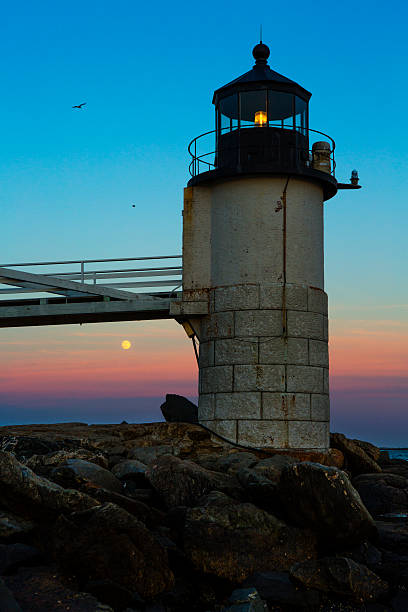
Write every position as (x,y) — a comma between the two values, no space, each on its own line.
(260,118)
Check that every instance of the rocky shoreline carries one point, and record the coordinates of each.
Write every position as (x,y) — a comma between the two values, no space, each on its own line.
(165,517)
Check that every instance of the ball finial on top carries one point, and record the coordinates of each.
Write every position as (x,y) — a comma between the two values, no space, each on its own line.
(261,53)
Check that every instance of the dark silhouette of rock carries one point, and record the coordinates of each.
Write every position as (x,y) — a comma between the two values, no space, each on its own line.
(358,461)
(182,483)
(384,493)
(233,540)
(178,409)
(323,499)
(27,494)
(76,471)
(277,589)
(108,543)
(340,576)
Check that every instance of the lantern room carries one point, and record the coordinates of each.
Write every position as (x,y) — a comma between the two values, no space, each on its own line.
(262,126)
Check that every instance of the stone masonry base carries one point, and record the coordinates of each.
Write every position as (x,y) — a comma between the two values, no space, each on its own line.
(263,361)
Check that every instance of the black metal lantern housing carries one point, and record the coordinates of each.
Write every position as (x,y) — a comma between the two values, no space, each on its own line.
(262,126)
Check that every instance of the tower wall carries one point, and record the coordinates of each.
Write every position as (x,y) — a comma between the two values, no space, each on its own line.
(254,248)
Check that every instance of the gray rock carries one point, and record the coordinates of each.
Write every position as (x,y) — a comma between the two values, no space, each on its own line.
(12,526)
(27,494)
(277,588)
(178,409)
(233,540)
(236,461)
(149,454)
(246,600)
(43,464)
(74,470)
(323,499)
(182,483)
(340,576)
(7,601)
(383,493)
(131,469)
(272,467)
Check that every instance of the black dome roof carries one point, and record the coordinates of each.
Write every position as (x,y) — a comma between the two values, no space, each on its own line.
(259,77)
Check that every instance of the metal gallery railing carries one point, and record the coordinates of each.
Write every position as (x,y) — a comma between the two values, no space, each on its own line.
(204,150)
(146,274)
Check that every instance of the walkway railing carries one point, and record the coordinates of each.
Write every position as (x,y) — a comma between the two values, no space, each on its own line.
(140,273)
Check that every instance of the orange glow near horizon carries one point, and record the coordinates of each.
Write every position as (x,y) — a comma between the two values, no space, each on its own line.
(73,361)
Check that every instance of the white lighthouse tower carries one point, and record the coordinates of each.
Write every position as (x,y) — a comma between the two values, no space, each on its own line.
(253,252)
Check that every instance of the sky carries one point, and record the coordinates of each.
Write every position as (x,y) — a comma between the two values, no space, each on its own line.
(147,71)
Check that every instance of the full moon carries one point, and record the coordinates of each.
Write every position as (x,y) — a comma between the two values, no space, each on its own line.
(126,344)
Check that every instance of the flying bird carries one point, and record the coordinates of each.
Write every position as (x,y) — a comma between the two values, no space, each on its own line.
(79,105)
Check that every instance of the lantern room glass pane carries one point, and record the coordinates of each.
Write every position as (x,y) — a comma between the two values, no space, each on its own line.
(253,109)
(300,115)
(228,109)
(280,108)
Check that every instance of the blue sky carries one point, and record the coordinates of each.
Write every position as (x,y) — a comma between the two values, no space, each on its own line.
(147,72)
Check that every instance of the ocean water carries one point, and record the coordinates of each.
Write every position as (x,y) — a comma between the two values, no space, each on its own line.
(397,453)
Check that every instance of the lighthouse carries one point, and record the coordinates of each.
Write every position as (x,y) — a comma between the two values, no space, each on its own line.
(253,260)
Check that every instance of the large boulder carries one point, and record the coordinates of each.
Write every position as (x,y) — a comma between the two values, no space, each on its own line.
(340,576)
(233,540)
(182,483)
(178,409)
(27,494)
(323,499)
(133,470)
(75,471)
(384,493)
(358,461)
(108,543)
